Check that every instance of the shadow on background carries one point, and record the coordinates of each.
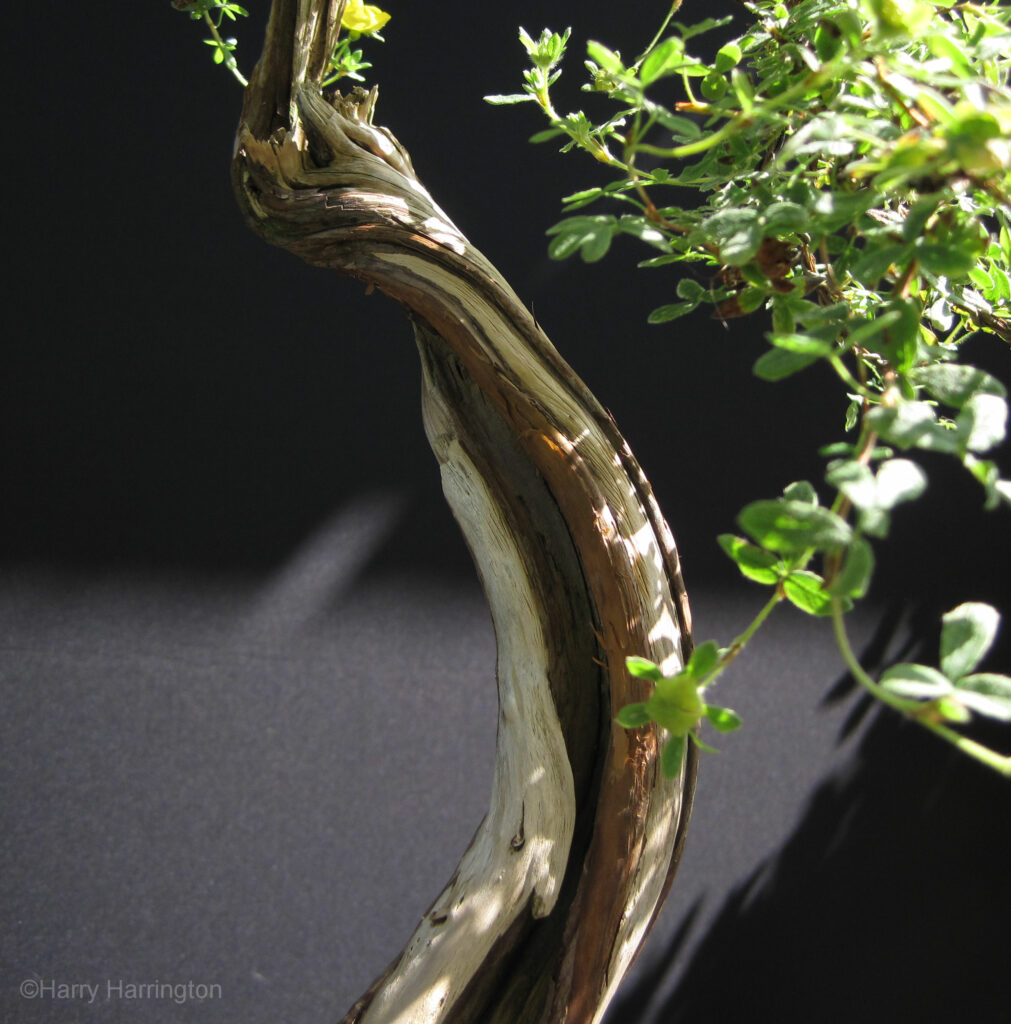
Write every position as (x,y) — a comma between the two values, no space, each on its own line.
(888,902)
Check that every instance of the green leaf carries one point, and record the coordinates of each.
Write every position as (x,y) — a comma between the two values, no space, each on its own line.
(673,756)
(784,218)
(548,50)
(595,246)
(662,261)
(690,290)
(695,70)
(515,97)
(722,719)
(751,298)
(806,590)
(592,236)
(991,683)
(546,136)
(912,425)
(664,59)
(955,383)
(222,50)
(706,25)
(744,88)
(986,693)
(663,314)
(980,277)
(940,314)
(779,363)
(607,59)
(801,490)
(736,233)
(827,134)
(865,331)
(942,46)
(946,260)
(704,659)
(783,319)
(643,668)
(987,473)
(982,423)
(919,213)
(834,209)
(754,563)
(804,344)
(916,681)
(967,633)
(791,527)
(855,480)
(859,485)
(632,716)
(678,126)
(563,246)
(579,199)
(727,57)
(904,334)
(854,578)
(1001,290)
(898,480)
(645,231)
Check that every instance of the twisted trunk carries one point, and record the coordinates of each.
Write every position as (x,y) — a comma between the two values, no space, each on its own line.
(554,896)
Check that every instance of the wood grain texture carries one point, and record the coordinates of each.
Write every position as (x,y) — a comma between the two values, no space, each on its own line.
(554,897)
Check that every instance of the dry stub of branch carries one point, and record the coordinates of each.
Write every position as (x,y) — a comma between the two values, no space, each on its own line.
(553,899)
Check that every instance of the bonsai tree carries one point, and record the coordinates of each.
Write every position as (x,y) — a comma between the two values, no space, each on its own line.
(854,173)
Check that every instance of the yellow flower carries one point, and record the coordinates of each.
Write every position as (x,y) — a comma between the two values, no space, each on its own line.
(363,18)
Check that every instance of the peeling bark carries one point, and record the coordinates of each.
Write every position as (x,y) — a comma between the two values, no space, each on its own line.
(554,896)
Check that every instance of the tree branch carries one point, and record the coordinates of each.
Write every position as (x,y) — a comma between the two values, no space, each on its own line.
(554,896)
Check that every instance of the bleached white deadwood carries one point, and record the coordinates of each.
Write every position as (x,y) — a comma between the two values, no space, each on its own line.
(554,896)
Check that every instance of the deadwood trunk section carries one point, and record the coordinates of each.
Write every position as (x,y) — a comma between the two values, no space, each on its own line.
(554,896)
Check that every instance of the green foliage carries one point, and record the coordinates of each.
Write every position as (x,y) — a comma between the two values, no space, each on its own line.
(847,166)
(788,526)
(967,633)
(347,63)
(358,19)
(676,704)
(213,13)
(955,692)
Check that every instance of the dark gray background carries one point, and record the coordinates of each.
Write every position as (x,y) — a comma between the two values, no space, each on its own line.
(245,666)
